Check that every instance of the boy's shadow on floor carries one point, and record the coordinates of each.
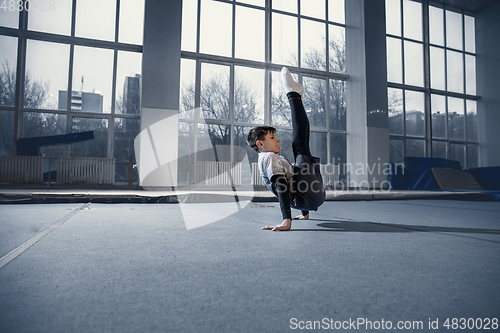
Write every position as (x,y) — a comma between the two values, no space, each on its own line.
(362,226)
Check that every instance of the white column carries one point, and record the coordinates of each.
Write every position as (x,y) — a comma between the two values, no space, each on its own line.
(488,84)
(157,144)
(367,120)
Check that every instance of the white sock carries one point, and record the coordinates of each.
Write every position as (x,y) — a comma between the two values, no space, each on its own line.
(289,83)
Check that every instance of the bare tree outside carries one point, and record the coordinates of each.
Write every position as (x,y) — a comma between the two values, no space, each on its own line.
(35,97)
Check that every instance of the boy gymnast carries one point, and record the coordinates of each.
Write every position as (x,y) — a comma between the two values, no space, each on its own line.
(300,186)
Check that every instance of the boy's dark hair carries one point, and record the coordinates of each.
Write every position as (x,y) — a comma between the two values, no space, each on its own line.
(258,133)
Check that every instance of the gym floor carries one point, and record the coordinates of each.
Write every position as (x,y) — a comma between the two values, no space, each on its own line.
(90,267)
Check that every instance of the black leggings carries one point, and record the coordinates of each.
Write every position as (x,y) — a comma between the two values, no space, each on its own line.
(300,125)
(308,198)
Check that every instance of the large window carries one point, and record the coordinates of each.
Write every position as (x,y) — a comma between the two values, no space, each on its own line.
(232,52)
(78,76)
(435,114)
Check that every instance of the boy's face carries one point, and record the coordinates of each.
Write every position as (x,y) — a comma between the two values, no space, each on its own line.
(271,143)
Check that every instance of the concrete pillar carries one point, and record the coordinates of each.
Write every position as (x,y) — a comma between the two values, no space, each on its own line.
(367,119)
(157,144)
(488,84)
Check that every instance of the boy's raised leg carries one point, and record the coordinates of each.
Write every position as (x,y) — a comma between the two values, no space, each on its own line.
(300,123)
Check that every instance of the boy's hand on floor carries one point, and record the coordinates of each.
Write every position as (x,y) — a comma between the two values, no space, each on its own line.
(301,217)
(286,225)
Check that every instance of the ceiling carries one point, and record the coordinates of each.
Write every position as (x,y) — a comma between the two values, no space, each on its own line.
(467,5)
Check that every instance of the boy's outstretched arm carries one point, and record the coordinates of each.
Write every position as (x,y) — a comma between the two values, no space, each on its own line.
(284,226)
(283,191)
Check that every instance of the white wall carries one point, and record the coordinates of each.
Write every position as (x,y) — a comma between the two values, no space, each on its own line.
(488,84)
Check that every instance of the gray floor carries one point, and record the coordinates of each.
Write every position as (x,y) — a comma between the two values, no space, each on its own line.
(135,268)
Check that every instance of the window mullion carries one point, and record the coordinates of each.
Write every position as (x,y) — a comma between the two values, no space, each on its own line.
(427,78)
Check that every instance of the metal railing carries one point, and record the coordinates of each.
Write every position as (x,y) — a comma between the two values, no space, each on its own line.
(68,170)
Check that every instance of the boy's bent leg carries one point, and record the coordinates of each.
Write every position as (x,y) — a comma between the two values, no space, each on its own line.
(303,216)
(308,183)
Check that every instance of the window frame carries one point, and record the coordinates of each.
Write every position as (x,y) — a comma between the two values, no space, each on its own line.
(23,34)
(267,65)
(426,89)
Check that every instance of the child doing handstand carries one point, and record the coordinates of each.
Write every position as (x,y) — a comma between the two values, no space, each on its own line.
(300,186)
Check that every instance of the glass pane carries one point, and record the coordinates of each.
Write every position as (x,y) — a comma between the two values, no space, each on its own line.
(8,73)
(131,21)
(336,11)
(92,78)
(280,108)
(395,106)
(470,74)
(285,5)
(285,40)
(216,28)
(438,120)
(314,101)
(318,146)
(241,150)
(43,124)
(436,26)
(414,64)
(89,12)
(396,151)
(313,46)
(454,30)
(337,105)
(210,135)
(125,132)
(470,34)
(412,20)
(249,95)
(260,3)
(471,121)
(50,16)
(249,42)
(337,49)
(455,71)
(214,97)
(9,17)
(37,124)
(189,24)
(47,66)
(128,83)
(393,17)
(415,116)
(437,68)
(415,148)
(457,153)
(285,137)
(185,162)
(394,60)
(472,156)
(438,149)
(313,8)
(187,89)
(6,132)
(338,152)
(240,140)
(456,118)
(93,148)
